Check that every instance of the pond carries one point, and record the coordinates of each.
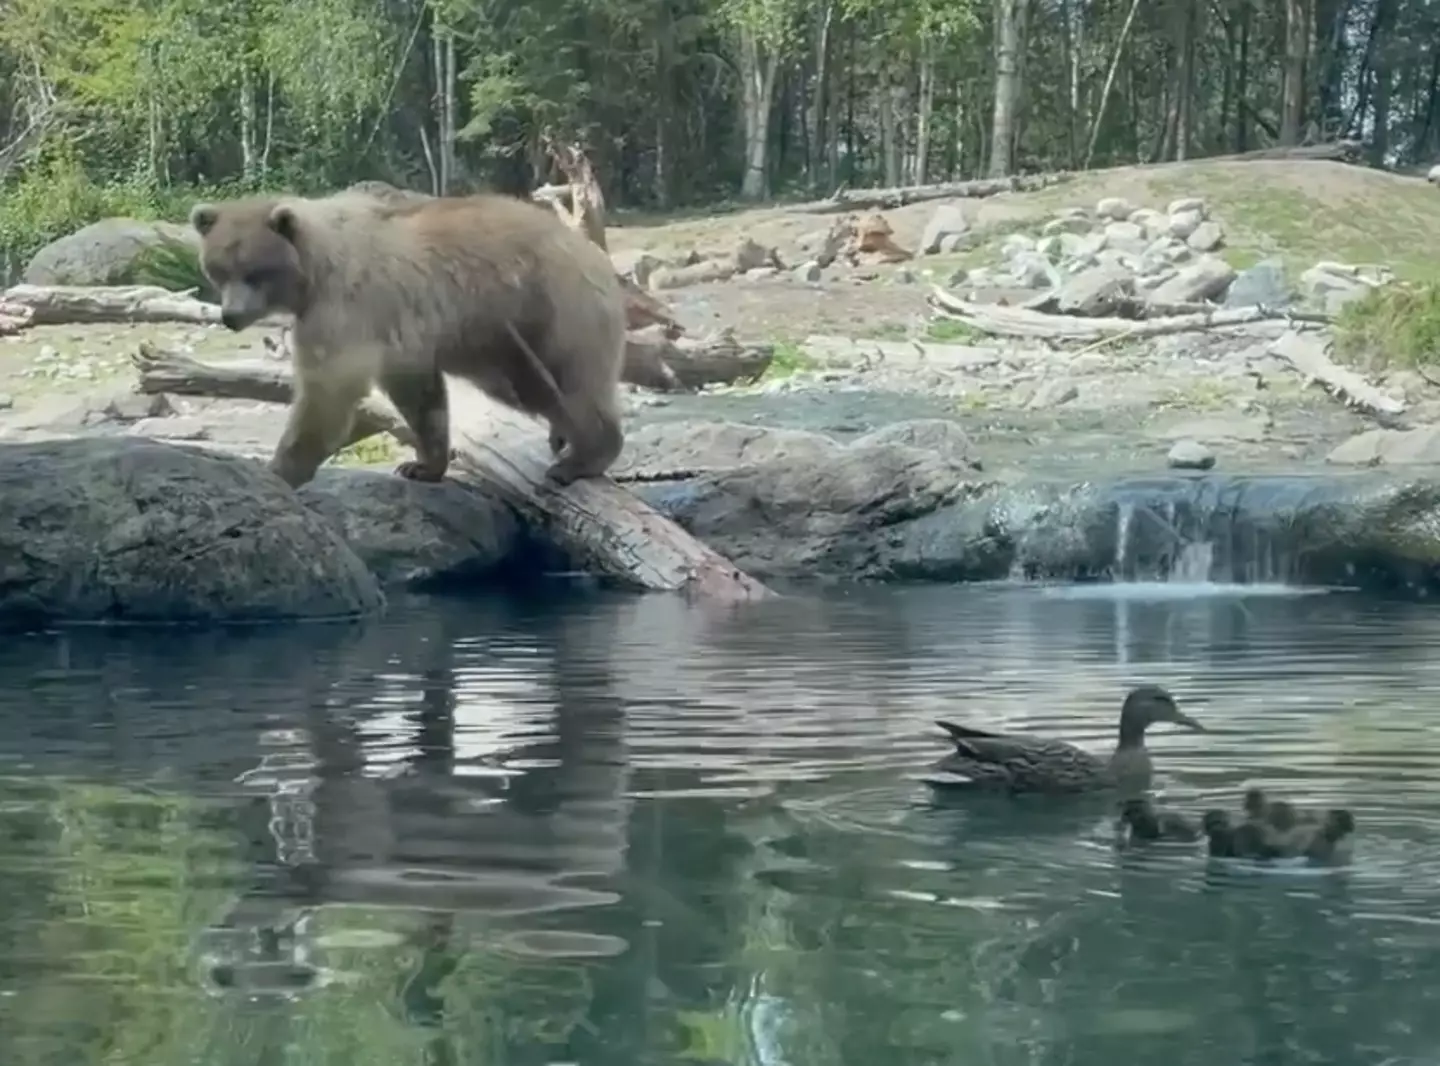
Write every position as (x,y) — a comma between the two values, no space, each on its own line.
(614,831)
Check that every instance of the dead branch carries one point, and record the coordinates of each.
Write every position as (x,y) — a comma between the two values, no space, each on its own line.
(62,305)
(843,199)
(1020,322)
(1307,354)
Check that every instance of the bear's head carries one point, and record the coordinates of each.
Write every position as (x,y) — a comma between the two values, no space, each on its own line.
(248,250)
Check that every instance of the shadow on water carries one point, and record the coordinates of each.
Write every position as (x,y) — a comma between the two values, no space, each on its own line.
(622,831)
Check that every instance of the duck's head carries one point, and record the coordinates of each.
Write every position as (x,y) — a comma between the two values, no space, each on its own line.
(1146,705)
(1255,803)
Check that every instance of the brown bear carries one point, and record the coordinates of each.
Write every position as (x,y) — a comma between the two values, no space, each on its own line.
(489,288)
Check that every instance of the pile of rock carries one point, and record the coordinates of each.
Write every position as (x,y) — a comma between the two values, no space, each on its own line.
(1120,257)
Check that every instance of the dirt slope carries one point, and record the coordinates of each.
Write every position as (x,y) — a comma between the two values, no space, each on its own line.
(1300,211)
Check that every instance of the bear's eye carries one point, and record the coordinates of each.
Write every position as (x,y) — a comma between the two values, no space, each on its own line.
(259,277)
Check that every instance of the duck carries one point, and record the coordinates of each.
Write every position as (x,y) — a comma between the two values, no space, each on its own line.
(1144,823)
(1020,764)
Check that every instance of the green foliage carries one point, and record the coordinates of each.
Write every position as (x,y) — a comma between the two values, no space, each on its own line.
(1392,326)
(948,331)
(378,450)
(173,264)
(787,361)
(58,197)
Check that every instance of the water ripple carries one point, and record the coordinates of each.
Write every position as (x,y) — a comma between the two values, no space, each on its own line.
(563,787)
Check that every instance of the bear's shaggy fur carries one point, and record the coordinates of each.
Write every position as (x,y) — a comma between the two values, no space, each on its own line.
(491,289)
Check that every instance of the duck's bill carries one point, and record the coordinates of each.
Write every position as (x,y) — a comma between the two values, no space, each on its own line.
(1189,723)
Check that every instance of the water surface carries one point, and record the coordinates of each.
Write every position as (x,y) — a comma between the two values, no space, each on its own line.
(620,831)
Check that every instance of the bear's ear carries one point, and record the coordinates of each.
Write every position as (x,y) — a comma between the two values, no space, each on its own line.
(203,218)
(283,221)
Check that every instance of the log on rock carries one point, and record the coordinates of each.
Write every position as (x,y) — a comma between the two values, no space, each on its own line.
(844,199)
(1002,321)
(63,305)
(504,453)
(656,361)
(1306,354)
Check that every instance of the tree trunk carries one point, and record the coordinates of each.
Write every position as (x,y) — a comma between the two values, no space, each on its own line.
(1109,83)
(249,157)
(1242,80)
(924,112)
(1009,40)
(1185,77)
(660,184)
(758,67)
(889,134)
(821,120)
(1297,50)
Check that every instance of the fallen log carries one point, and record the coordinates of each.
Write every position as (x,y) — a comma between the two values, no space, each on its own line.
(843,199)
(669,364)
(1334,151)
(503,453)
(1306,354)
(14,318)
(63,305)
(162,370)
(1003,321)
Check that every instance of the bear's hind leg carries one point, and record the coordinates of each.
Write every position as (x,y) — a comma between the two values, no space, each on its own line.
(596,444)
(420,397)
(318,426)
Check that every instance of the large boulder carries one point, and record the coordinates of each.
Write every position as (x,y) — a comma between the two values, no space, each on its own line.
(416,534)
(129,529)
(791,504)
(103,253)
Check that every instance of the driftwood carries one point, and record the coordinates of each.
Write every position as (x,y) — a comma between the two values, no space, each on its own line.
(505,454)
(586,209)
(1335,151)
(866,353)
(62,305)
(15,317)
(1307,355)
(642,309)
(843,199)
(1020,322)
(656,361)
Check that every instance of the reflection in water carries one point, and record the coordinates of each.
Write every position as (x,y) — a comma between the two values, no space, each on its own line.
(626,831)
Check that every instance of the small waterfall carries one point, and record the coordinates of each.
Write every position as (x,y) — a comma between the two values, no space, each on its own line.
(1193,564)
(1124,516)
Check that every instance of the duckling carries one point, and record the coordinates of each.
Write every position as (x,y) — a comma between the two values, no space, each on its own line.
(1219,834)
(1330,843)
(999,761)
(1144,822)
(1286,829)
(1244,841)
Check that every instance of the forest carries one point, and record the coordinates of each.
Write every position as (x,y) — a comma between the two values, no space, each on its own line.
(136,107)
